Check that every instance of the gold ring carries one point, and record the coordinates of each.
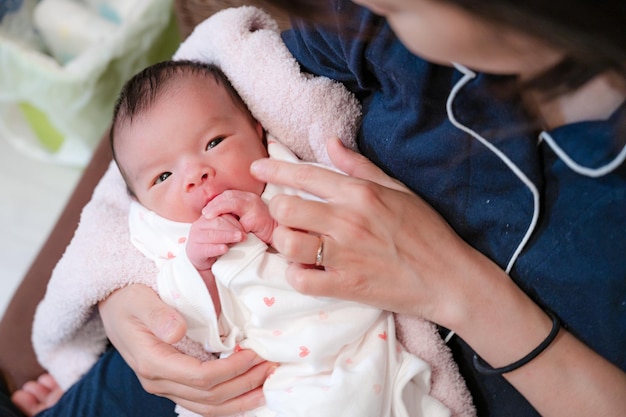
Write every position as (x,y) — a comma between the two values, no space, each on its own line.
(319,256)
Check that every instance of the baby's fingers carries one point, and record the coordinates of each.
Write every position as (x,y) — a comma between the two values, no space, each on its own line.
(230,201)
(224,229)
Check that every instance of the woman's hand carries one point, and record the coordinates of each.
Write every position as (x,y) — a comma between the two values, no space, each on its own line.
(143,328)
(383,245)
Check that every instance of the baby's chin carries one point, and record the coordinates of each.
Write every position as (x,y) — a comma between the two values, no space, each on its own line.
(188,217)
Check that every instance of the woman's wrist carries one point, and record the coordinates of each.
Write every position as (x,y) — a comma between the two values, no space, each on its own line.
(485,369)
(493,315)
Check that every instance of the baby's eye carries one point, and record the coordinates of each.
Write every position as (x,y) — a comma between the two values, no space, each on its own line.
(162,177)
(214,142)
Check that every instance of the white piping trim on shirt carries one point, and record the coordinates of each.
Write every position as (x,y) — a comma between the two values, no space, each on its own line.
(467,76)
(576,167)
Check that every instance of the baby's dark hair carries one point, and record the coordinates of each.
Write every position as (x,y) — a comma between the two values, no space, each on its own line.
(141,92)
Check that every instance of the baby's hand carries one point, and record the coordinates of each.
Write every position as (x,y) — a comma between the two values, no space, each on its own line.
(210,237)
(252,212)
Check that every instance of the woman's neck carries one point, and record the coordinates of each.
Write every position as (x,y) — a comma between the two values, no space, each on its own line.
(595,100)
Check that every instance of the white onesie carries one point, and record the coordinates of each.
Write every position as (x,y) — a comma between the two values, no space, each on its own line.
(337,358)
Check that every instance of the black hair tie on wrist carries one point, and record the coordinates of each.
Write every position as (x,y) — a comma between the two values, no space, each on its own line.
(482,367)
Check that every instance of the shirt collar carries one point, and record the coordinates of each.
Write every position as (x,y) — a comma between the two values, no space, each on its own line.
(591,146)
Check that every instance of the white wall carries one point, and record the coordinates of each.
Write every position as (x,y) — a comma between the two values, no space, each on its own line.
(32,195)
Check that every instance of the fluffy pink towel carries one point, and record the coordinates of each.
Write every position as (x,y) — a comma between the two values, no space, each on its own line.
(302,111)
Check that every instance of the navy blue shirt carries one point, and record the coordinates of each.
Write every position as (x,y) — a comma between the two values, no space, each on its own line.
(557,224)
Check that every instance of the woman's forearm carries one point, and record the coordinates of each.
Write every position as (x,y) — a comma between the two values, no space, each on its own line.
(502,324)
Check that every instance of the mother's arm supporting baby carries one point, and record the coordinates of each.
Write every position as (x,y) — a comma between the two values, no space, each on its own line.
(142,328)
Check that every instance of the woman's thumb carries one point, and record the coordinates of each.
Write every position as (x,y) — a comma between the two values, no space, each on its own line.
(167,324)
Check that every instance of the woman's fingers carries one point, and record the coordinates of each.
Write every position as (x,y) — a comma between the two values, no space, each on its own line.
(227,370)
(383,245)
(301,247)
(218,387)
(356,165)
(321,182)
(312,179)
(238,392)
(211,382)
(248,401)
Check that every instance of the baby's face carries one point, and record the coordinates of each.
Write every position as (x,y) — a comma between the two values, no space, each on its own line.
(193,144)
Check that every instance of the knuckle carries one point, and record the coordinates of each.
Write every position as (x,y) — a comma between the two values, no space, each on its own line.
(228,198)
(146,371)
(209,399)
(303,175)
(155,316)
(361,228)
(297,282)
(281,208)
(366,192)
(290,244)
(149,388)
(201,380)
(251,384)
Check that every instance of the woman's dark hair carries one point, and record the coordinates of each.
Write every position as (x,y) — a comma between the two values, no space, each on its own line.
(592,33)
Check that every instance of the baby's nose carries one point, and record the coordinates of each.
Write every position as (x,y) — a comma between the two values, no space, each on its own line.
(196,180)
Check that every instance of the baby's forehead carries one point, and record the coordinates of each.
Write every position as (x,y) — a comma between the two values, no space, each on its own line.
(202,76)
(190,84)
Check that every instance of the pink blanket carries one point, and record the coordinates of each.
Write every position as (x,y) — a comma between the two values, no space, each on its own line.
(301,110)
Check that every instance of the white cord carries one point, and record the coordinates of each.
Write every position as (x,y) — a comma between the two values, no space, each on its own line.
(467,76)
